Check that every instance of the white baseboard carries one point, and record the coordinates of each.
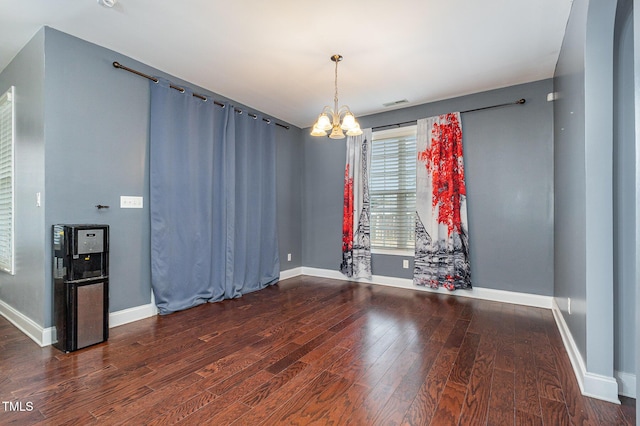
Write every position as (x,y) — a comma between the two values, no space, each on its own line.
(42,336)
(47,336)
(136,313)
(601,387)
(526,299)
(591,384)
(626,384)
(290,273)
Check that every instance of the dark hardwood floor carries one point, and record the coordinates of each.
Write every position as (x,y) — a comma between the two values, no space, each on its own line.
(310,351)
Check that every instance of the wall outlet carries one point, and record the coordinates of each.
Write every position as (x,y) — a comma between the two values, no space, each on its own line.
(289,257)
(569,305)
(405,263)
(127,202)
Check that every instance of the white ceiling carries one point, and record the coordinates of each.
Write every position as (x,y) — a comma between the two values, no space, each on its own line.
(274,55)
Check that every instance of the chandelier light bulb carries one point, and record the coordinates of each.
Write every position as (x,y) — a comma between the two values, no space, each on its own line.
(318,132)
(348,122)
(324,123)
(356,131)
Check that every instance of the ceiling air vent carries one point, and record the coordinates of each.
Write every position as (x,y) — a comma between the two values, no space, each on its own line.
(395,103)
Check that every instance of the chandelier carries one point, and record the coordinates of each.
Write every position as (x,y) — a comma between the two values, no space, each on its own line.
(336,119)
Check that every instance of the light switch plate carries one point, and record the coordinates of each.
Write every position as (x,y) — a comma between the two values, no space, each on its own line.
(129,202)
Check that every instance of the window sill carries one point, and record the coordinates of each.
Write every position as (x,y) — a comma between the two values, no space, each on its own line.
(391,252)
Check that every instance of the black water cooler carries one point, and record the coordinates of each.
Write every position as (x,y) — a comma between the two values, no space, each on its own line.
(81,285)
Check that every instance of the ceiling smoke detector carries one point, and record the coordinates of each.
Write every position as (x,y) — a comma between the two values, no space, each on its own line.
(107,3)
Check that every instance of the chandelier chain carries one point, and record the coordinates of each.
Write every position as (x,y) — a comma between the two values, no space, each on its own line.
(335,98)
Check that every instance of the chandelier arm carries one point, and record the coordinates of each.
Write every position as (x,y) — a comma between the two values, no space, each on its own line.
(327,110)
(343,110)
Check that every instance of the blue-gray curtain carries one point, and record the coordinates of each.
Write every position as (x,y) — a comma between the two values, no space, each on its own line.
(212,201)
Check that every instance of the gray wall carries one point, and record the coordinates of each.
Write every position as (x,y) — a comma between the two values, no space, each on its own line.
(289,170)
(636,91)
(624,167)
(569,125)
(26,290)
(584,233)
(509,170)
(96,150)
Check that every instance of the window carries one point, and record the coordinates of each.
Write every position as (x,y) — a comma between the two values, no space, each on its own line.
(392,190)
(7,216)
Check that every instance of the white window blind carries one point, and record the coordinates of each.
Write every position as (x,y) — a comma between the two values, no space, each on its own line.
(7,215)
(392,189)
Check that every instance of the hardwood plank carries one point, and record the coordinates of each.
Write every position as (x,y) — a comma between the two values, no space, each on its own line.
(606,413)
(524,418)
(380,357)
(576,403)
(628,408)
(385,387)
(157,405)
(216,414)
(501,402)
(118,402)
(457,335)
(425,403)
(372,402)
(555,412)
(278,397)
(294,356)
(463,364)
(505,356)
(393,412)
(475,408)
(345,405)
(289,411)
(267,406)
(411,383)
(527,398)
(261,392)
(183,410)
(153,403)
(450,405)
(317,409)
(242,388)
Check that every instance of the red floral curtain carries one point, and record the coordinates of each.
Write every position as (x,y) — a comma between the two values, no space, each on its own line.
(442,241)
(356,237)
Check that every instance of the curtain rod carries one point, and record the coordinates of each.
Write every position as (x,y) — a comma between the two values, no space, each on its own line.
(406,123)
(181,89)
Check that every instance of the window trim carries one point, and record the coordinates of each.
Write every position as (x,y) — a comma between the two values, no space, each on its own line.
(8,263)
(393,252)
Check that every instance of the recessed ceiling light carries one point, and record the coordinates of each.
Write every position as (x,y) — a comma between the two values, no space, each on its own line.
(107,3)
